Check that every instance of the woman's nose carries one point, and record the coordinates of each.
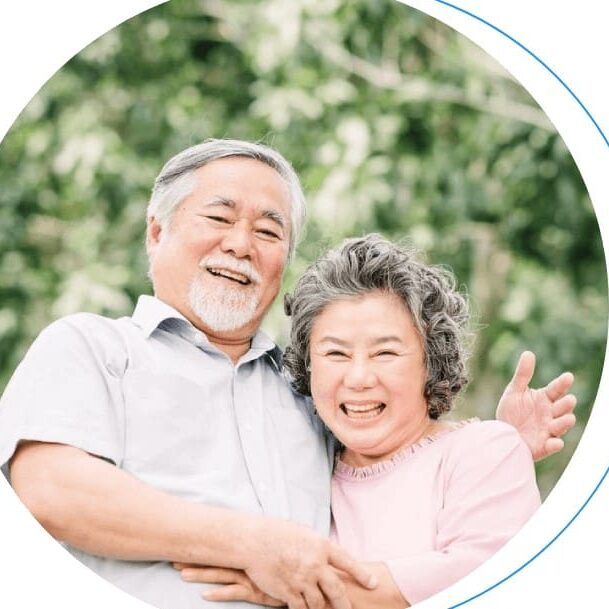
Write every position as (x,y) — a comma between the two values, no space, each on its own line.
(360,375)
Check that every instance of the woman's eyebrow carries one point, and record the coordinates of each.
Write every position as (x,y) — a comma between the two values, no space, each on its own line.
(333,340)
(373,343)
(386,339)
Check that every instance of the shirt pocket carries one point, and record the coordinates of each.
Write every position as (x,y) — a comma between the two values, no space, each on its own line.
(170,422)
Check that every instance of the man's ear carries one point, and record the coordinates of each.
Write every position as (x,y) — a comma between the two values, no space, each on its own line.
(153,233)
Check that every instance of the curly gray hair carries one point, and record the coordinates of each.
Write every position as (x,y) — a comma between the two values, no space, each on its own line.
(176,180)
(372,263)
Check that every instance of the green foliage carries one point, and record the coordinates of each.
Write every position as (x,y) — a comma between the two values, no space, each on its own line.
(395,123)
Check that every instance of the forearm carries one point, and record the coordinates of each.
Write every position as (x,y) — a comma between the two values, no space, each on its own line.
(386,594)
(98,508)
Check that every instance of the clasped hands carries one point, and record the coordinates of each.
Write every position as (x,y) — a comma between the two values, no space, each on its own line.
(291,565)
(294,566)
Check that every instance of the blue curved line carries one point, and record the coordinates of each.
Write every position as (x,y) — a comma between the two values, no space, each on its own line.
(540,551)
(535,57)
(600,131)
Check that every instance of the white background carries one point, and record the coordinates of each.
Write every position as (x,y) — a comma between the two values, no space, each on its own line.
(37,38)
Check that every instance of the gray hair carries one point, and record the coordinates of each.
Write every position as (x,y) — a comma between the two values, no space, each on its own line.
(177,180)
(371,263)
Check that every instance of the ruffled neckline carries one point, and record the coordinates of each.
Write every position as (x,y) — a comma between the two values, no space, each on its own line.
(366,472)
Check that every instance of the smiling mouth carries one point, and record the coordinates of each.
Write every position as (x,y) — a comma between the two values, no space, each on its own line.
(231,275)
(362,411)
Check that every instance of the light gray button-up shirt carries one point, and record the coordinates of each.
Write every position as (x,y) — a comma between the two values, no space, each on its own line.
(151,394)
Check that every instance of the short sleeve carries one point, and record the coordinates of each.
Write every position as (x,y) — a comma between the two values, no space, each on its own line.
(489,493)
(67,390)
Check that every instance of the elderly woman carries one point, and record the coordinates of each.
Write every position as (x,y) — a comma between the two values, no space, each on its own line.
(377,340)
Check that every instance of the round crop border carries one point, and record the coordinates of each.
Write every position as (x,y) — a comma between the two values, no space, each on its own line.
(602,134)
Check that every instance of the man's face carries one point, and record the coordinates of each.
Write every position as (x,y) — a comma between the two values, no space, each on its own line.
(221,259)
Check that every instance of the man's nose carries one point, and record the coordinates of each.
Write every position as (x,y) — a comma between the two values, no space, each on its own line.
(237,240)
(360,375)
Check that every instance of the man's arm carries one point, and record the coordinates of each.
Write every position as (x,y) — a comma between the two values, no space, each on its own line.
(541,416)
(98,508)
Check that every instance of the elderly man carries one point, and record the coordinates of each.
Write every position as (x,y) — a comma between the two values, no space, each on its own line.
(172,435)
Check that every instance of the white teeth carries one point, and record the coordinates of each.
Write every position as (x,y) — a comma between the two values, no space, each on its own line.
(242,279)
(362,407)
(363,411)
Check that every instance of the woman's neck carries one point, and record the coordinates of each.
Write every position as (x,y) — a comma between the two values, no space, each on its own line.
(357,459)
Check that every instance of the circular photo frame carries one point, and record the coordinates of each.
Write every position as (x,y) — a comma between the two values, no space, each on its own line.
(353,166)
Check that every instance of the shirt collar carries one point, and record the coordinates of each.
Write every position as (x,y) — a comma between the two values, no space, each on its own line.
(150,313)
(262,343)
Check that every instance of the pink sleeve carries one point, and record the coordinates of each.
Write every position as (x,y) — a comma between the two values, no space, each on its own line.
(489,493)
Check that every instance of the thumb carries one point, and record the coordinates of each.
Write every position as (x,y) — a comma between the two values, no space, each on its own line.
(524,372)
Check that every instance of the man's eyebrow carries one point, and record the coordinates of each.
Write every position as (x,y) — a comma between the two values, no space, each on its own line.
(221,202)
(270,214)
(274,216)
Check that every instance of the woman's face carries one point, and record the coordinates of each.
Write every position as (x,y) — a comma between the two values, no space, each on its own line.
(368,376)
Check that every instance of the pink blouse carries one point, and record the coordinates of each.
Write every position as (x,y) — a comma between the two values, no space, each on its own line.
(439,508)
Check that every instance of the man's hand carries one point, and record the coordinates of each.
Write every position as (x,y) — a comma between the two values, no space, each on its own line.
(541,416)
(298,566)
(237,585)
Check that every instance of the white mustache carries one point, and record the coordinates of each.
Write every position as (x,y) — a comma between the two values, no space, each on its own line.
(231,264)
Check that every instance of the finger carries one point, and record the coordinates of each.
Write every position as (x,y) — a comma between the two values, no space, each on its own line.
(553,446)
(564,405)
(212,575)
(560,426)
(233,592)
(559,386)
(341,560)
(524,371)
(296,602)
(314,598)
(183,565)
(334,590)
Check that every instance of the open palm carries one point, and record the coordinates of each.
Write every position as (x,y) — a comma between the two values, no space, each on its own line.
(541,416)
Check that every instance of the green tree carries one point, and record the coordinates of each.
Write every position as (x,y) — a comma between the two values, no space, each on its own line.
(395,123)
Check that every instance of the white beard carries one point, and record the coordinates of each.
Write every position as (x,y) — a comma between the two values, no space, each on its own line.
(222,308)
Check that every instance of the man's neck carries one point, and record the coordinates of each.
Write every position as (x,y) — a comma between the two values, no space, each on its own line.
(234,349)
(234,344)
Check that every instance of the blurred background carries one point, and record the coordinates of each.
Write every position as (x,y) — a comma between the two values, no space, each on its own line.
(395,123)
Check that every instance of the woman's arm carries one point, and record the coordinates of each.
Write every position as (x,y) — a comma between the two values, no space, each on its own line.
(489,492)
(386,595)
